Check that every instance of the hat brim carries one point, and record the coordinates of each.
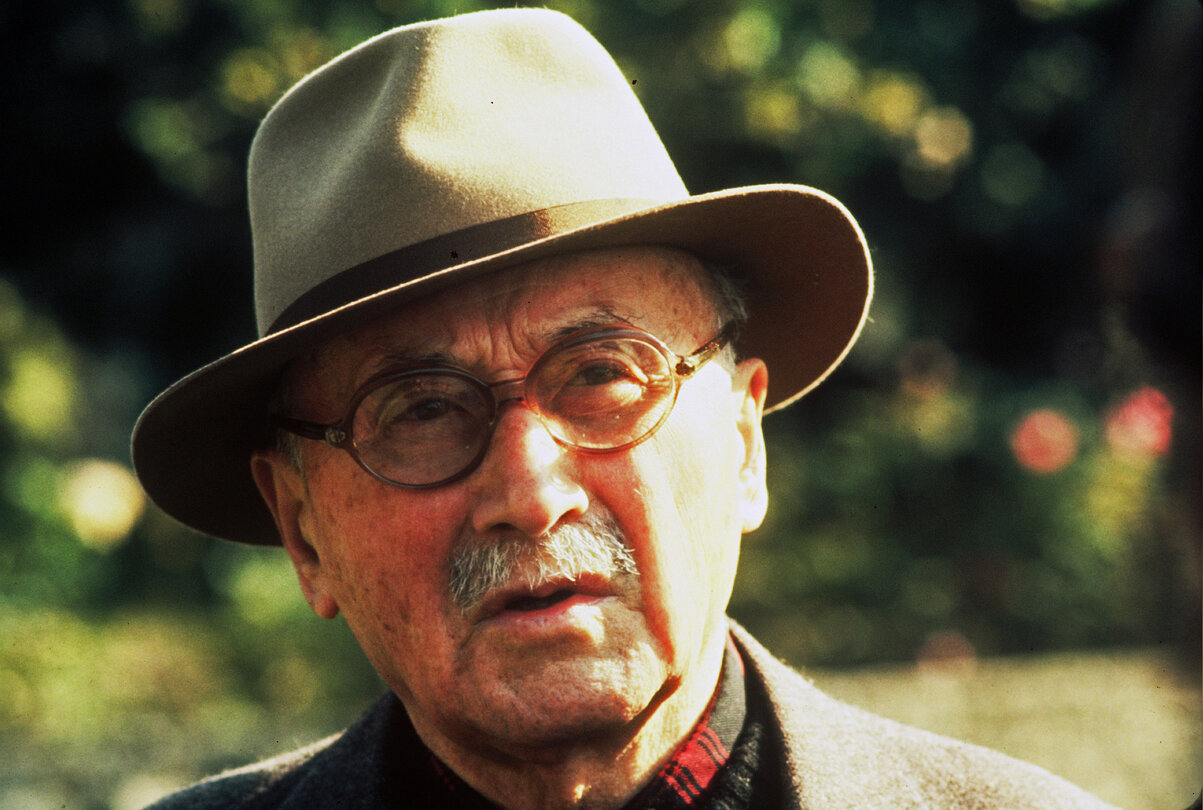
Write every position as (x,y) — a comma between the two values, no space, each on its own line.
(799,255)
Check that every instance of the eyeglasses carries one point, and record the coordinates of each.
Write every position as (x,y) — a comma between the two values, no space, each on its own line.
(601,390)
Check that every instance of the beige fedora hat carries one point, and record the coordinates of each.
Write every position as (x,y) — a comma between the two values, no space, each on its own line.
(442,151)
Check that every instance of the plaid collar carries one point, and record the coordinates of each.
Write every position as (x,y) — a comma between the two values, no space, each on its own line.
(682,783)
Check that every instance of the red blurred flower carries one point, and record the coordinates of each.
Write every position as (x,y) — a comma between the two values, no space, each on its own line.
(1045,441)
(1141,424)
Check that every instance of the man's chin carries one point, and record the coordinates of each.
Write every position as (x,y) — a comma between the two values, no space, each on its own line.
(546,731)
(549,698)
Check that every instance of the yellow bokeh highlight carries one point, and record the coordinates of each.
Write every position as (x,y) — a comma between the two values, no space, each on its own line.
(39,394)
(1117,499)
(774,112)
(829,77)
(941,423)
(252,76)
(102,500)
(893,102)
(943,137)
(300,51)
(749,40)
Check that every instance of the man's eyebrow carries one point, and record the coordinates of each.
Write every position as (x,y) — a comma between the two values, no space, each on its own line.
(411,356)
(602,316)
(414,355)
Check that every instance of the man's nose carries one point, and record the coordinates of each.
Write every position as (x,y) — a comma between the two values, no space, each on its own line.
(526,481)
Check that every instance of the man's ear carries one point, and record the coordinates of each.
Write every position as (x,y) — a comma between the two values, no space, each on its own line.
(287,497)
(750,385)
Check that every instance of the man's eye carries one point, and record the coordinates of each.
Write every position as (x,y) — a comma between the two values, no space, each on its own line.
(424,410)
(602,374)
(407,414)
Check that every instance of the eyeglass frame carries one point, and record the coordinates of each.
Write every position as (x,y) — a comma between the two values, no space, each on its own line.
(340,434)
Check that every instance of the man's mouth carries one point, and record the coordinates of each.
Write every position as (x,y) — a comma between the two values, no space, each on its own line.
(528,600)
(529,603)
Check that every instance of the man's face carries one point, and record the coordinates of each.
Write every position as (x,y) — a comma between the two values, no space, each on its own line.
(605,652)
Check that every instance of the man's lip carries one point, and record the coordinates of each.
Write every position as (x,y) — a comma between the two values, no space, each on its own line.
(498,601)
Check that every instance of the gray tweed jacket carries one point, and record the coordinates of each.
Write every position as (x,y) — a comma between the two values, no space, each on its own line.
(838,758)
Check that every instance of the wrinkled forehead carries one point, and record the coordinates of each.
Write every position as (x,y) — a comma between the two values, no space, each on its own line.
(504,320)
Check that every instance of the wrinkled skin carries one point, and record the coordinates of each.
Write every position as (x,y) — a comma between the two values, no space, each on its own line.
(578,704)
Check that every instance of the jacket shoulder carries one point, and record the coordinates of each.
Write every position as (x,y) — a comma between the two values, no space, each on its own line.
(251,786)
(345,770)
(840,756)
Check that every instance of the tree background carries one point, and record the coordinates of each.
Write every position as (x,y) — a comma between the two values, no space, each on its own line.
(1008,462)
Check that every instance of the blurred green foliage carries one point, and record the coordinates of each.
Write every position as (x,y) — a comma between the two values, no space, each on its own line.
(1009,459)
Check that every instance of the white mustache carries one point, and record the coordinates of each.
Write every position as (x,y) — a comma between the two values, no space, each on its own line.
(594,545)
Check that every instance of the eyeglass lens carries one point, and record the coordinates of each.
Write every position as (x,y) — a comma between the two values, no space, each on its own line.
(425,427)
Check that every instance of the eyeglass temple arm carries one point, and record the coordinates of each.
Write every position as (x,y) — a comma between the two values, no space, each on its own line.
(330,434)
(688,366)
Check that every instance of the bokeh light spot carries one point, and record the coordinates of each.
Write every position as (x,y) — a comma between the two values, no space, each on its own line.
(1117,501)
(1045,441)
(750,39)
(300,52)
(894,102)
(102,500)
(251,76)
(1142,425)
(163,128)
(773,112)
(943,137)
(39,395)
(828,76)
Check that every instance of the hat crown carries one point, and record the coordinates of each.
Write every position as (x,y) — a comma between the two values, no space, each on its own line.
(438,127)
(451,150)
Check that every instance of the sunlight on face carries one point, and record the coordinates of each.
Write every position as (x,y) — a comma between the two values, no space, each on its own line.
(538,661)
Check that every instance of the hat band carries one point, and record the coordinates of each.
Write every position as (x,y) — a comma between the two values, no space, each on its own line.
(455,249)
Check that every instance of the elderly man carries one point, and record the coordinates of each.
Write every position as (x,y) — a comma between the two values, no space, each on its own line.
(499,421)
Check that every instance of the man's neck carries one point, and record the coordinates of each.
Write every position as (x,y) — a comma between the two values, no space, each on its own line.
(600,772)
